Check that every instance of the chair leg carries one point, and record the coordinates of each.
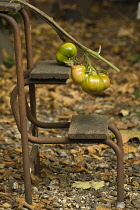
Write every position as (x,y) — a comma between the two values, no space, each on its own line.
(120,172)
(22,106)
(29,55)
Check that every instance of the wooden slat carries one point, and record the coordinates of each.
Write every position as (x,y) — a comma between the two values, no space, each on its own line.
(88,127)
(7,7)
(50,70)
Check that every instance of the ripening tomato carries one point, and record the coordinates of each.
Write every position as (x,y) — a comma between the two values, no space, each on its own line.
(92,83)
(106,80)
(65,52)
(78,73)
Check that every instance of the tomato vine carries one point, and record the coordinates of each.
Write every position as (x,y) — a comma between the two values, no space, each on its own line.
(62,33)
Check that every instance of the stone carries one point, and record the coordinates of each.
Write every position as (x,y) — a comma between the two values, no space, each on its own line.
(136,203)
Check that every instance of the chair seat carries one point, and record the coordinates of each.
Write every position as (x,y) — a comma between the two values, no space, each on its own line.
(88,127)
(46,70)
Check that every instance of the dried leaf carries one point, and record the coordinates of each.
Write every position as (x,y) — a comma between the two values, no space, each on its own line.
(48,174)
(83,185)
(68,101)
(129,149)
(22,203)
(79,158)
(97,185)
(73,151)
(124,112)
(89,184)
(127,135)
(7,120)
(105,200)
(136,162)
(35,179)
(92,149)
(96,157)
(102,208)
(125,32)
(81,169)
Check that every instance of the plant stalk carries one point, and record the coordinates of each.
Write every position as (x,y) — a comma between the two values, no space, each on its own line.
(63,34)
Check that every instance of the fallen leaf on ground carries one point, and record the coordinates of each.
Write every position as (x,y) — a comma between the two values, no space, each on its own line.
(81,169)
(88,184)
(102,208)
(125,32)
(124,112)
(127,135)
(92,149)
(73,151)
(79,158)
(128,149)
(10,120)
(96,157)
(136,162)
(105,200)
(48,174)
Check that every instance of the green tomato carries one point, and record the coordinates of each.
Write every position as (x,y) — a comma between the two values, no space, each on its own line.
(78,73)
(65,52)
(106,80)
(92,84)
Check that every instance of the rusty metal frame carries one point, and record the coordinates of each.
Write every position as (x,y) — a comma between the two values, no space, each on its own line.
(22,103)
(22,112)
(117,147)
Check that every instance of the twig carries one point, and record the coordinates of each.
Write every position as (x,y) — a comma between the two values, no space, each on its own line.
(63,34)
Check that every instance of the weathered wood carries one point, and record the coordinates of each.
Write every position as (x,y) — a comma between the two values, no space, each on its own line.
(88,127)
(50,70)
(7,7)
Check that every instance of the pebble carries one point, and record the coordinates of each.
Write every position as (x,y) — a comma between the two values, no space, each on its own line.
(128,156)
(68,194)
(136,203)
(11,180)
(103,165)
(17,136)
(136,167)
(35,189)
(55,204)
(113,193)
(2,166)
(47,181)
(15,186)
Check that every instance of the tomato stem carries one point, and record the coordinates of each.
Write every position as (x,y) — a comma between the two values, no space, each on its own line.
(89,64)
(63,34)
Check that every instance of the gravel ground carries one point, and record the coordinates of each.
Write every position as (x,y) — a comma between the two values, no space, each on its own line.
(62,166)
